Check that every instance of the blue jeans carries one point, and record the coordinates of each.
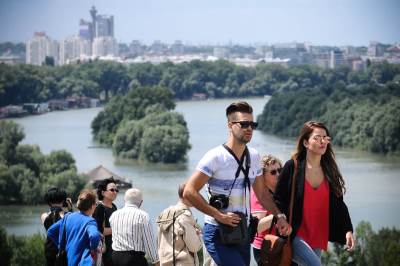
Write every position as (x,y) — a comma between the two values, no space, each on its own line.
(235,255)
(303,254)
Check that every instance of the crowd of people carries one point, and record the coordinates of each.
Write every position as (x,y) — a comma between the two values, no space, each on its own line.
(245,191)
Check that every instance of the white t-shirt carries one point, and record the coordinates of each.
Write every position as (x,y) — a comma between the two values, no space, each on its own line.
(221,167)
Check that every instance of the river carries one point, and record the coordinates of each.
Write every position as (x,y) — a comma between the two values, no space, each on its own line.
(372,181)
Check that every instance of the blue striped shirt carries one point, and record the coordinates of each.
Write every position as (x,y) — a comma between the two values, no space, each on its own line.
(221,167)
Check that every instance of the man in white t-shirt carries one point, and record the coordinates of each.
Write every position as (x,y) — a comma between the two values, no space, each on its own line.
(219,169)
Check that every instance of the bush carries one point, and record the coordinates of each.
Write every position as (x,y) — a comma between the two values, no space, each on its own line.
(381,248)
(139,139)
(26,174)
(21,250)
(5,249)
(167,144)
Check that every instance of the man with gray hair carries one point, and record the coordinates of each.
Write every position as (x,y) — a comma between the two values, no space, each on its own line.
(132,236)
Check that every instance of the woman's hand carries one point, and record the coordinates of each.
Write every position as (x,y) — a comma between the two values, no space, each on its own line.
(284,228)
(350,243)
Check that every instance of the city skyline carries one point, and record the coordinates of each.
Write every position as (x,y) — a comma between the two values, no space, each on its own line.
(329,22)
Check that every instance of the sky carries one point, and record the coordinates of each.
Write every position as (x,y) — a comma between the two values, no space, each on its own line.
(246,22)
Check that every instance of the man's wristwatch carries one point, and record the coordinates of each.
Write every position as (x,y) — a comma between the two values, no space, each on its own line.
(280,215)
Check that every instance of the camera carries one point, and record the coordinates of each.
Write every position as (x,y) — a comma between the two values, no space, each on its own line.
(219,201)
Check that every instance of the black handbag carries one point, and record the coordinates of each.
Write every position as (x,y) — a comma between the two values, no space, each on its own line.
(237,235)
(253,224)
(61,257)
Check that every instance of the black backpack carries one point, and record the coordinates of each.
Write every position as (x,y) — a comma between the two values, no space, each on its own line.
(50,248)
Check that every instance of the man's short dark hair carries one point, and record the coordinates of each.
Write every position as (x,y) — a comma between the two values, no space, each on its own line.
(103,186)
(55,195)
(242,107)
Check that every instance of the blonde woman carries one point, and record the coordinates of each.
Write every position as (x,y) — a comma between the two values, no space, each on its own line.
(271,168)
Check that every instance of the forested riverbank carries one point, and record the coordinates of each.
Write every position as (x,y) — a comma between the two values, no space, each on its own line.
(360,107)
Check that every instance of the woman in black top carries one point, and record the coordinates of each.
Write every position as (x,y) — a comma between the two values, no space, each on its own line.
(316,166)
(107,193)
(56,198)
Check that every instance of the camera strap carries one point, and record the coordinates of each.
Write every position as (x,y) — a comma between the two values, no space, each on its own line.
(246,154)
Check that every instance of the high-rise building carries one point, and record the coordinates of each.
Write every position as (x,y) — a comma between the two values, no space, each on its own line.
(221,52)
(93,14)
(104,26)
(73,48)
(105,46)
(39,47)
(136,48)
(376,49)
(177,48)
(157,47)
(99,26)
(336,59)
(296,52)
(85,30)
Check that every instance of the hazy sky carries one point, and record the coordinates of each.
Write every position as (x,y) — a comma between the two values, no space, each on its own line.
(330,22)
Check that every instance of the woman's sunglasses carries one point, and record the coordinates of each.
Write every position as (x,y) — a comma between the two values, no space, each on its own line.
(113,190)
(276,171)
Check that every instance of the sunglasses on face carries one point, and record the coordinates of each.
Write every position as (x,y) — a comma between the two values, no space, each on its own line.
(246,124)
(113,190)
(276,171)
(320,138)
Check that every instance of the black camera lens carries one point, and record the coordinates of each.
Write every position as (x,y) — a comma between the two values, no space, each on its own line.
(218,204)
(219,201)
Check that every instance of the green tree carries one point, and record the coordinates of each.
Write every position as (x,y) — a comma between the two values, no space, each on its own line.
(5,249)
(131,107)
(167,144)
(57,162)
(10,135)
(129,137)
(49,61)
(27,250)
(30,156)
(14,182)
(381,248)
(70,180)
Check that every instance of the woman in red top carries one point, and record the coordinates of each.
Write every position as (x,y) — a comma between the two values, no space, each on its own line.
(319,212)
(272,167)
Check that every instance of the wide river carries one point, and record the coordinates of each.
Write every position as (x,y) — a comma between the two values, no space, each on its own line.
(372,181)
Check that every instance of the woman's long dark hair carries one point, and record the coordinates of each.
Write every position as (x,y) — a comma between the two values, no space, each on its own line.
(328,162)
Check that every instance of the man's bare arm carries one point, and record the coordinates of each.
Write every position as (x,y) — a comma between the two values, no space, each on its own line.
(267,202)
(191,193)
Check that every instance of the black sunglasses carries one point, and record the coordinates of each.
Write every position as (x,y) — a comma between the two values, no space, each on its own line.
(275,171)
(246,124)
(113,190)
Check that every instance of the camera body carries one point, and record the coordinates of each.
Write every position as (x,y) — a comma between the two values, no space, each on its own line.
(219,201)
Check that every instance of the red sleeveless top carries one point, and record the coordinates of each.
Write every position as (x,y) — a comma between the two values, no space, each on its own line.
(314,228)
